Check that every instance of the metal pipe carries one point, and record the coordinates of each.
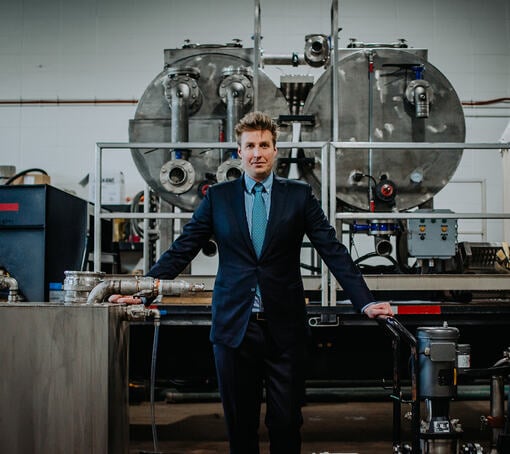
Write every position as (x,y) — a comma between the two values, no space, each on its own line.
(267,60)
(325,273)
(140,286)
(332,211)
(235,100)
(370,56)
(146,236)
(183,97)
(287,60)
(177,287)
(257,39)
(331,163)
(59,102)
(334,74)
(12,285)
(125,286)
(179,95)
(497,410)
(497,406)
(152,146)
(97,208)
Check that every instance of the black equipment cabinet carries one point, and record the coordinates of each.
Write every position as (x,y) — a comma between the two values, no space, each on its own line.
(43,232)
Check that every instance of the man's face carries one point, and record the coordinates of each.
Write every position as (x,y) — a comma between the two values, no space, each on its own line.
(257,153)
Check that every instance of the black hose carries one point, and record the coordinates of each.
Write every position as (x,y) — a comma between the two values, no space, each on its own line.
(24,172)
(374,254)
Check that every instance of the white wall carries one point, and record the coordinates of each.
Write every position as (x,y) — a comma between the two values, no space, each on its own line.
(112,49)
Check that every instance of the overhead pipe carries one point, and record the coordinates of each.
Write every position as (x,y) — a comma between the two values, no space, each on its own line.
(317,53)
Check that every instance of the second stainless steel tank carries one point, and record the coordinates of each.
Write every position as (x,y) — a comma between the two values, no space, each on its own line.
(387,95)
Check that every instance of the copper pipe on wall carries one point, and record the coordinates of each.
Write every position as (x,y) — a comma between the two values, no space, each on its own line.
(57,102)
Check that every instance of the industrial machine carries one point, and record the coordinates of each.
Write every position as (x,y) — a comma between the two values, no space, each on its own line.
(36,221)
(182,141)
(384,93)
(438,364)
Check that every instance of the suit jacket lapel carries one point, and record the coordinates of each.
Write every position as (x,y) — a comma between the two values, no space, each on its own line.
(278,197)
(237,204)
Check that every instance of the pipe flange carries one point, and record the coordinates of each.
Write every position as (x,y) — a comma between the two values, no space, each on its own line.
(382,227)
(317,50)
(78,285)
(177,176)
(182,83)
(229,170)
(238,84)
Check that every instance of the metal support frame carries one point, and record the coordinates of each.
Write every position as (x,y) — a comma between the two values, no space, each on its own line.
(328,197)
(220,146)
(399,332)
(327,283)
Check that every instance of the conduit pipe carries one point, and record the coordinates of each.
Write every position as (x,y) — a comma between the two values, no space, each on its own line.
(496,420)
(12,285)
(140,286)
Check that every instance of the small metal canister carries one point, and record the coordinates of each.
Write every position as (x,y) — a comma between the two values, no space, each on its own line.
(463,357)
(78,284)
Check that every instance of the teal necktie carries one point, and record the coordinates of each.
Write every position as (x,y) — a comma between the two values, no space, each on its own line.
(258,219)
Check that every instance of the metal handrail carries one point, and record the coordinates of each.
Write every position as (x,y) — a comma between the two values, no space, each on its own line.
(328,183)
(399,332)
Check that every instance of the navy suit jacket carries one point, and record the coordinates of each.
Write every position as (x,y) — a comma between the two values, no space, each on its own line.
(294,212)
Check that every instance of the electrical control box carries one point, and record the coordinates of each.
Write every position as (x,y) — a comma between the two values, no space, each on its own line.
(432,238)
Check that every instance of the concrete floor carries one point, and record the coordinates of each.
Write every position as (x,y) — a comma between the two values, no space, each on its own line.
(353,427)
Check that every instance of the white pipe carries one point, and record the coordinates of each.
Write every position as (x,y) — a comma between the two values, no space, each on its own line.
(505,158)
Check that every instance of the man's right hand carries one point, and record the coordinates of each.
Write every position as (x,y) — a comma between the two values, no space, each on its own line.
(126,299)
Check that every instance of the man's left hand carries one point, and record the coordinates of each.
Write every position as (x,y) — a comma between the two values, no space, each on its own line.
(382,310)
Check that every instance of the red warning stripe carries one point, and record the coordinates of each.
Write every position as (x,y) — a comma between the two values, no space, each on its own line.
(9,206)
(419,309)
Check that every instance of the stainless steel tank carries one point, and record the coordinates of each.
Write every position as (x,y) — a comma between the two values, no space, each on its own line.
(199,96)
(387,95)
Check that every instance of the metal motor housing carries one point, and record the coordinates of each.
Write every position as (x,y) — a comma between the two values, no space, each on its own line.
(437,352)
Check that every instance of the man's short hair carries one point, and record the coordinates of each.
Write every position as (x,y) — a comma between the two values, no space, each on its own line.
(256,121)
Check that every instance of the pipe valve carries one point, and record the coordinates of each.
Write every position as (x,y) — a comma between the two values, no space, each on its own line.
(419,95)
(12,284)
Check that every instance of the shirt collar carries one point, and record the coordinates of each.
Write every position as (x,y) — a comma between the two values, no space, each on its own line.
(250,183)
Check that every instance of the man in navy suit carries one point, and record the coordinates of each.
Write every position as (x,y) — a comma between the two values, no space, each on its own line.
(258,307)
